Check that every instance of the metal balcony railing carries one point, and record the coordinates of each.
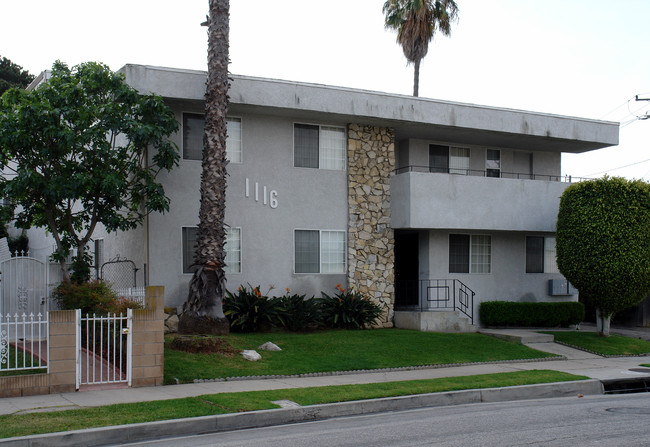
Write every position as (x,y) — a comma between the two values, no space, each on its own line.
(489,173)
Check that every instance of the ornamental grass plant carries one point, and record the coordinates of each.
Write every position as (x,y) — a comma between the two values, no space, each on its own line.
(299,313)
(248,310)
(348,309)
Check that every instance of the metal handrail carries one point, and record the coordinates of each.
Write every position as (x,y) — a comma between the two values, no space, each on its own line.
(489,173)
(435,294)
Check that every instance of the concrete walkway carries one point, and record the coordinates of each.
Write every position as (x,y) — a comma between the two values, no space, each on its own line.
(573,361)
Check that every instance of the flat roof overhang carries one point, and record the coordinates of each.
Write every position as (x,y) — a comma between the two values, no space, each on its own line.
(411,117)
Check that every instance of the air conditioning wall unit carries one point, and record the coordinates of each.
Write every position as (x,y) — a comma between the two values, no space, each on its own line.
(561,287)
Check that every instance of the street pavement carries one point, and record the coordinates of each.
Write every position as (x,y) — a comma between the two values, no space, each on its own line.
(571,361)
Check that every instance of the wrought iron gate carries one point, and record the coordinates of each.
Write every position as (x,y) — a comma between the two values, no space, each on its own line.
(23,286)
(104,346)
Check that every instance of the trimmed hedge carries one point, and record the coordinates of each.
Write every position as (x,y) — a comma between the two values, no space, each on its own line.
(508,313)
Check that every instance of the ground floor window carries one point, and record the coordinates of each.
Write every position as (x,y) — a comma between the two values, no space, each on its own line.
(540,255)
(232,248)
(470,253)
(319,251)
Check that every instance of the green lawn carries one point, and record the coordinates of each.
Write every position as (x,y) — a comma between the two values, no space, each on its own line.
(36,423)
(612,345)
(341,350)
(21,364)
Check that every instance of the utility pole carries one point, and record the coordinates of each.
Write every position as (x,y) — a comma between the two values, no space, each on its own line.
(647,114)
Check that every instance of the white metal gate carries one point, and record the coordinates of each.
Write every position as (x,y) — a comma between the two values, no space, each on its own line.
(23,286)
(104,347)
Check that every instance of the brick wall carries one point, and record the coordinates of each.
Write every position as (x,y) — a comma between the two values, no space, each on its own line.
(148,340)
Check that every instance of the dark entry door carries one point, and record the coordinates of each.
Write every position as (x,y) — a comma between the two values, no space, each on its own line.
(406,268)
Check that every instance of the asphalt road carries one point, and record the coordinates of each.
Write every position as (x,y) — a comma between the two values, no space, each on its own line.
(619,420)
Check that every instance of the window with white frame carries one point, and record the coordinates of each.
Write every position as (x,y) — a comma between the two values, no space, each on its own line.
(232,248)
(470,253)
(321,147)
(493,163)
(449,159)
(189,249)
(540,255)
(319,251)
(459,160)
(481,254)
(193,127)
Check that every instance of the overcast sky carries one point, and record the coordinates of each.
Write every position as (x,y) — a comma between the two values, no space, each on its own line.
(585,58)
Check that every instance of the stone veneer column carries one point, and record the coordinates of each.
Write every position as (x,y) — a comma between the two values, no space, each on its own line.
(371,244)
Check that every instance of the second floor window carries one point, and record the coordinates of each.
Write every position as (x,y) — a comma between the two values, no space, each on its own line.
(448,159)
(493,163)
(320,147)
(193,127)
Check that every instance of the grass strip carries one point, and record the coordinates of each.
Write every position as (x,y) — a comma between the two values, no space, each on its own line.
(49,422)
(612,345)
(342,350)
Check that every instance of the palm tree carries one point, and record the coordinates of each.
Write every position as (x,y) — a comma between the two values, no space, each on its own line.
(203,310)
(416,21)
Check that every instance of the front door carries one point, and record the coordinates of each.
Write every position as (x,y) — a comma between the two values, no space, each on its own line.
(406,268)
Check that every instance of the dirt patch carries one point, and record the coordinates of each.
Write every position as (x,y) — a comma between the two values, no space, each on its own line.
(203,345)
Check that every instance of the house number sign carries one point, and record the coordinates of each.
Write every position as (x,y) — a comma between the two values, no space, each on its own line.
(261,193)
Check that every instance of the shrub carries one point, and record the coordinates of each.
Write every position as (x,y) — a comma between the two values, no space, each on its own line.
(250,311)
(348,309)
(507,313)
(93,297)
(299,313)
(18,244)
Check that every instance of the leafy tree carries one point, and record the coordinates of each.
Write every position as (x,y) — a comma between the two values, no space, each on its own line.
(74,153)
(603,243)
(203,310)
(416,21)
(13,75)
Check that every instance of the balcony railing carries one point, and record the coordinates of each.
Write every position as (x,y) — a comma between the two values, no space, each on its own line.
(490,173)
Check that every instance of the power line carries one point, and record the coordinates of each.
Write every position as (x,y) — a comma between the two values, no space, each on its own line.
(620,167)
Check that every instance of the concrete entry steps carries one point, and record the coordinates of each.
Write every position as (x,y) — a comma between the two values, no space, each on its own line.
(433,321)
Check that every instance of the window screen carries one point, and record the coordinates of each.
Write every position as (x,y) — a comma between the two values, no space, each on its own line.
(534,254)
(307,251)
(305,141)
(458,253)
(438,158)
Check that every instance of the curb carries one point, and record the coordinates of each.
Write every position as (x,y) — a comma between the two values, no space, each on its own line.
(122,434)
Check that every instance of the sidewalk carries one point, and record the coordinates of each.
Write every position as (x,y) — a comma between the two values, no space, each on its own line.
(574,362)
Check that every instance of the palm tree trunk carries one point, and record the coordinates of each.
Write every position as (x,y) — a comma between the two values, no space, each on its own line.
(416,77)
(203,310)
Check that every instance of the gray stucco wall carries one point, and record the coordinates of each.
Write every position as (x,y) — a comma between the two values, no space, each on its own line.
(432,200)
(313,199)
(508,280)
